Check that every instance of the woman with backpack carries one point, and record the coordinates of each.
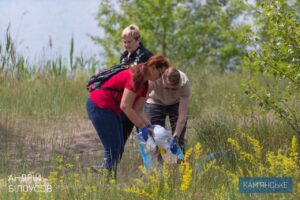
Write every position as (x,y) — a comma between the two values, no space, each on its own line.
(135,53)
(104,106)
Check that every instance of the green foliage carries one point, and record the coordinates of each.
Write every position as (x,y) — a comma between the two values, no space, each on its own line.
(73,67)
(44,97)
(276,58)
(188,32)
(15,66)
(11,63)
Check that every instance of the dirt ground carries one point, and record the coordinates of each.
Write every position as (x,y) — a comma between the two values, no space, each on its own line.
(32,146)
(37,144)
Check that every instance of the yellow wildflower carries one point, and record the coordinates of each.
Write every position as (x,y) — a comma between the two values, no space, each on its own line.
(112,181)
(143,170)
(76,179)
(255,145)
(272,162)
(139,192)
(138,181)
(247,157)
(69,165)
(294,149)
(188,154)
(208,166)
(59,167)
(186,178)
(233,143)
(61,180)
(162,151)
(166,177)
(94,188)
(181,167)
(59,159)
(53,176)
(197,151)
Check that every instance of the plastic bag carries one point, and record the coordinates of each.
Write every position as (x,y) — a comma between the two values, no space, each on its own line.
(156,143)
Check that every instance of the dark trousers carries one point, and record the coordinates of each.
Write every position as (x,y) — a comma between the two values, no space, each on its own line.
(127,127)
(109,129)
(158,114)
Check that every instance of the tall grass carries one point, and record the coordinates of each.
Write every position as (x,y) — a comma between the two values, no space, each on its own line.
(228,137)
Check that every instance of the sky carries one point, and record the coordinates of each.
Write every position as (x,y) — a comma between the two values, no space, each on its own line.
(33,23)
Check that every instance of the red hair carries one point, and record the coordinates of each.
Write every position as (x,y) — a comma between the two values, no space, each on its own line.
(139,70)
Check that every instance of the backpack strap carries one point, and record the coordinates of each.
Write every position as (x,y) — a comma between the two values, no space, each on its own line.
(98,79)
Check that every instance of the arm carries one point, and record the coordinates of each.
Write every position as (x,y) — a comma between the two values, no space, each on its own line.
(182,116)
(139,109)
(131,112)
(151,87)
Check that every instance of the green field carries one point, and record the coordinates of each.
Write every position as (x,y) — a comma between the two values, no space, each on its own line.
(244,118)
(45,130)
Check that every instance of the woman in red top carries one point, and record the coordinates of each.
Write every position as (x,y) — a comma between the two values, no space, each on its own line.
(104,106)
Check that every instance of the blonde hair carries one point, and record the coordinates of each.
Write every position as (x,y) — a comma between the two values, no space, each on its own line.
(131,30)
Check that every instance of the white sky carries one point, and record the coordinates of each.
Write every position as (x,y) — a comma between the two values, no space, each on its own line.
(33,22)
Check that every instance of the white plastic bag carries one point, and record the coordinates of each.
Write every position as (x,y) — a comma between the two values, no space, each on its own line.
(161,138)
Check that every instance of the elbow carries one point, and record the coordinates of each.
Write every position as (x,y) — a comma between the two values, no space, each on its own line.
(123,107)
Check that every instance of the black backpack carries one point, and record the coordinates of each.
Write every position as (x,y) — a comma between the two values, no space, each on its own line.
(97,80)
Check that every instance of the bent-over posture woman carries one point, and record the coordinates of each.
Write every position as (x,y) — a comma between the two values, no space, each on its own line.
(104,106)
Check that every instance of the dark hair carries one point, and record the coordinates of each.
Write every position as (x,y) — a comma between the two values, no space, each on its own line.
(173,76)
(139,70)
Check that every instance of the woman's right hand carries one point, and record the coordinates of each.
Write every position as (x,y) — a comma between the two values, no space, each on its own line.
(145,131)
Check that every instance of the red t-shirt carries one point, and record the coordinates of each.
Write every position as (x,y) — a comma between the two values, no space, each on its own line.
(112,99)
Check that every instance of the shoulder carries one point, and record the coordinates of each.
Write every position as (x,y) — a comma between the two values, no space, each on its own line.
(123,54)
(145,50)
(185,85)
(183,77)
(143,53)
(124,73)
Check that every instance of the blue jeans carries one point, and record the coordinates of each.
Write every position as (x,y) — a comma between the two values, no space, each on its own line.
(127,126)
(158,114)
(109,129)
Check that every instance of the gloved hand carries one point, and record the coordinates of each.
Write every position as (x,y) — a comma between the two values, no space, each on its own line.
(145,131)
(174,144)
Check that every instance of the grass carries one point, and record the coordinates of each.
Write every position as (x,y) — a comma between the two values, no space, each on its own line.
(39,116)
(42,115)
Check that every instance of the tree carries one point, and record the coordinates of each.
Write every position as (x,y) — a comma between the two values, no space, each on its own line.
(276,57)
(189,32)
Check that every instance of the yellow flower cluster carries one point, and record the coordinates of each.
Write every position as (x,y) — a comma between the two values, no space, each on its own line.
(281,164)
(233,143)
(53,177)
(255,145)
(138,191)
(188,154)
(186,177)
(294,149)
(197,152)
(166,176)
(245,156)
